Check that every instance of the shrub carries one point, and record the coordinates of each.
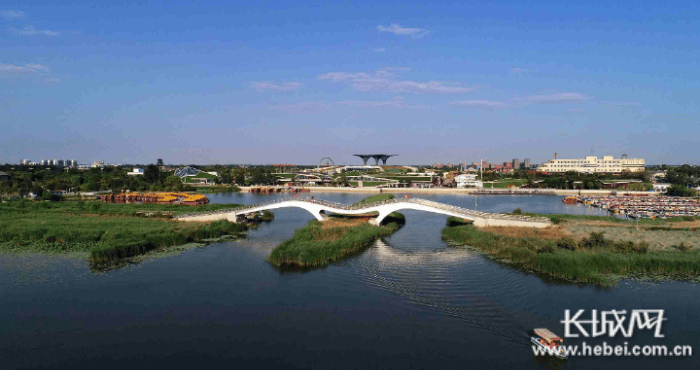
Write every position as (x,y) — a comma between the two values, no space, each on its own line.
(518,211)
(683,247)
(567,243)
(595,240)
(642,247)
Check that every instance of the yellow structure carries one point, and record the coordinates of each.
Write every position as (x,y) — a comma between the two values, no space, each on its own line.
(591,164)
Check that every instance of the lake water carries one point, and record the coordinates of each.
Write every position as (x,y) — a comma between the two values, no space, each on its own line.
(408,302)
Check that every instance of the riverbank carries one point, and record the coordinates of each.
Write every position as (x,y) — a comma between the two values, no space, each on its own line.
(319,243)
(105,231)
(590,249)
(218,189)
(485,191)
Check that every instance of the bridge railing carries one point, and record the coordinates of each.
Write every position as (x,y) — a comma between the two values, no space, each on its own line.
(340,206)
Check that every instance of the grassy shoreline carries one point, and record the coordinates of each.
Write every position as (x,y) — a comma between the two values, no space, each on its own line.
(320,243)
(593,259)
(106,232)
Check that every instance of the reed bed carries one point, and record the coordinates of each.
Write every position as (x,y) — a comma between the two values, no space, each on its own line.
(595,259)
(106,232)
(318,244)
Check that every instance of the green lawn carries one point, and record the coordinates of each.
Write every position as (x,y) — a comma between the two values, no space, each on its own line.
(376,198)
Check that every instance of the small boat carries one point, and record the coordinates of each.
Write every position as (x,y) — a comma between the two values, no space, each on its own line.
(570,200)
(550,342)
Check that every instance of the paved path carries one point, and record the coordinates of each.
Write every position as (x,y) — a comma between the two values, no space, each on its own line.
(320,208)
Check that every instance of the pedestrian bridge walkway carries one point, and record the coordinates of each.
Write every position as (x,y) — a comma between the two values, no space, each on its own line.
(320,208)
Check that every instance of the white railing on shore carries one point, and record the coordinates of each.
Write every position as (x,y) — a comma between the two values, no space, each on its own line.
(345,207)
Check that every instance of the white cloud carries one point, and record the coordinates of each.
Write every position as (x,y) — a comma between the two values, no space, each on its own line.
(404,31)
(317,105)
(554,98)
(12,14)
(623,104)
(30,31)
(52,80)
(379,50)
(384,79)
(27,68)
(342,76)
(521,70)
(480,103)
(265,85)
(37,67)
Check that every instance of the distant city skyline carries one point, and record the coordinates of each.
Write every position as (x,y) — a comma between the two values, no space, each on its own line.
(449,82)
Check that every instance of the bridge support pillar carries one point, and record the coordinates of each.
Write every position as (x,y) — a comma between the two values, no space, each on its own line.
(231,217)
(382,215)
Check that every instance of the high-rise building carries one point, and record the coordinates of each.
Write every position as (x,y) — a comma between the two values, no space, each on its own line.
(526,163)
(25,162)
(516,163)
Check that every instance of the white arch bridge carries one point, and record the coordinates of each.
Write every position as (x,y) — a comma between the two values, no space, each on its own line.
(320,208)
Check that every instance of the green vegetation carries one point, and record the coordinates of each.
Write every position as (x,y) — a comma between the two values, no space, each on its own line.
(408,178)
(201,175)
(557,218)
(107,231)
(320,243)
(219,189)
(376,198)
(680,191)
(267,216)
(341,236)
(593,259)
(374,183)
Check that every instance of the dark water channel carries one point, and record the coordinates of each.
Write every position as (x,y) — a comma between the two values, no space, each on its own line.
(409,302)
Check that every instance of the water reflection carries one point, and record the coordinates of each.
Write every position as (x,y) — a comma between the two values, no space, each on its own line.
(409,301)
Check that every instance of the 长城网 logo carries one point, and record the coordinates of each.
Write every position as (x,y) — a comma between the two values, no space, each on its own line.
(612,322)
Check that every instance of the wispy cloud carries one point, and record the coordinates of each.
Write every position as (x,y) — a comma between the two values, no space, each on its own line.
(11,14)
(266,85)
(480,103)
(384,79)
(52,80)
(554,98)
(622,104)
(379,50)
(404,31)
(521,70)
(27,68)
(318,105)
(30,31)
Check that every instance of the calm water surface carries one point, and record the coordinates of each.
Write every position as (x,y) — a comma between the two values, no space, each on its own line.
(408,302)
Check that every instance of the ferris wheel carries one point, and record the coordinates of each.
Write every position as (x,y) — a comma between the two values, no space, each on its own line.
(329,162)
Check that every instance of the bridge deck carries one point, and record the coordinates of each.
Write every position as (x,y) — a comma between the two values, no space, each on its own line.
(374,207)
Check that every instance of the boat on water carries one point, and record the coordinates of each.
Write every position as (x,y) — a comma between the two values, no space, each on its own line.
(570,200)
(550,342)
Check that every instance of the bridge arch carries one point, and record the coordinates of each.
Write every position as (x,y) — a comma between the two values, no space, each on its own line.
(319,209)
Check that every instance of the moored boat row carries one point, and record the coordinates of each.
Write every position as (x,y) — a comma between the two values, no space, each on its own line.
(644,206)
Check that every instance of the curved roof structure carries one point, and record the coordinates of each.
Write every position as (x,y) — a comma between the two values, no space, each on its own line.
(186,171)
(376,157)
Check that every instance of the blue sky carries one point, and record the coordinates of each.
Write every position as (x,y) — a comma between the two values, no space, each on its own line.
(271,82)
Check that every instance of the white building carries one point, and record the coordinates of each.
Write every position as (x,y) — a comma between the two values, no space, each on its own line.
(136,172)
(592,164)
(661,188)
(468,181)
